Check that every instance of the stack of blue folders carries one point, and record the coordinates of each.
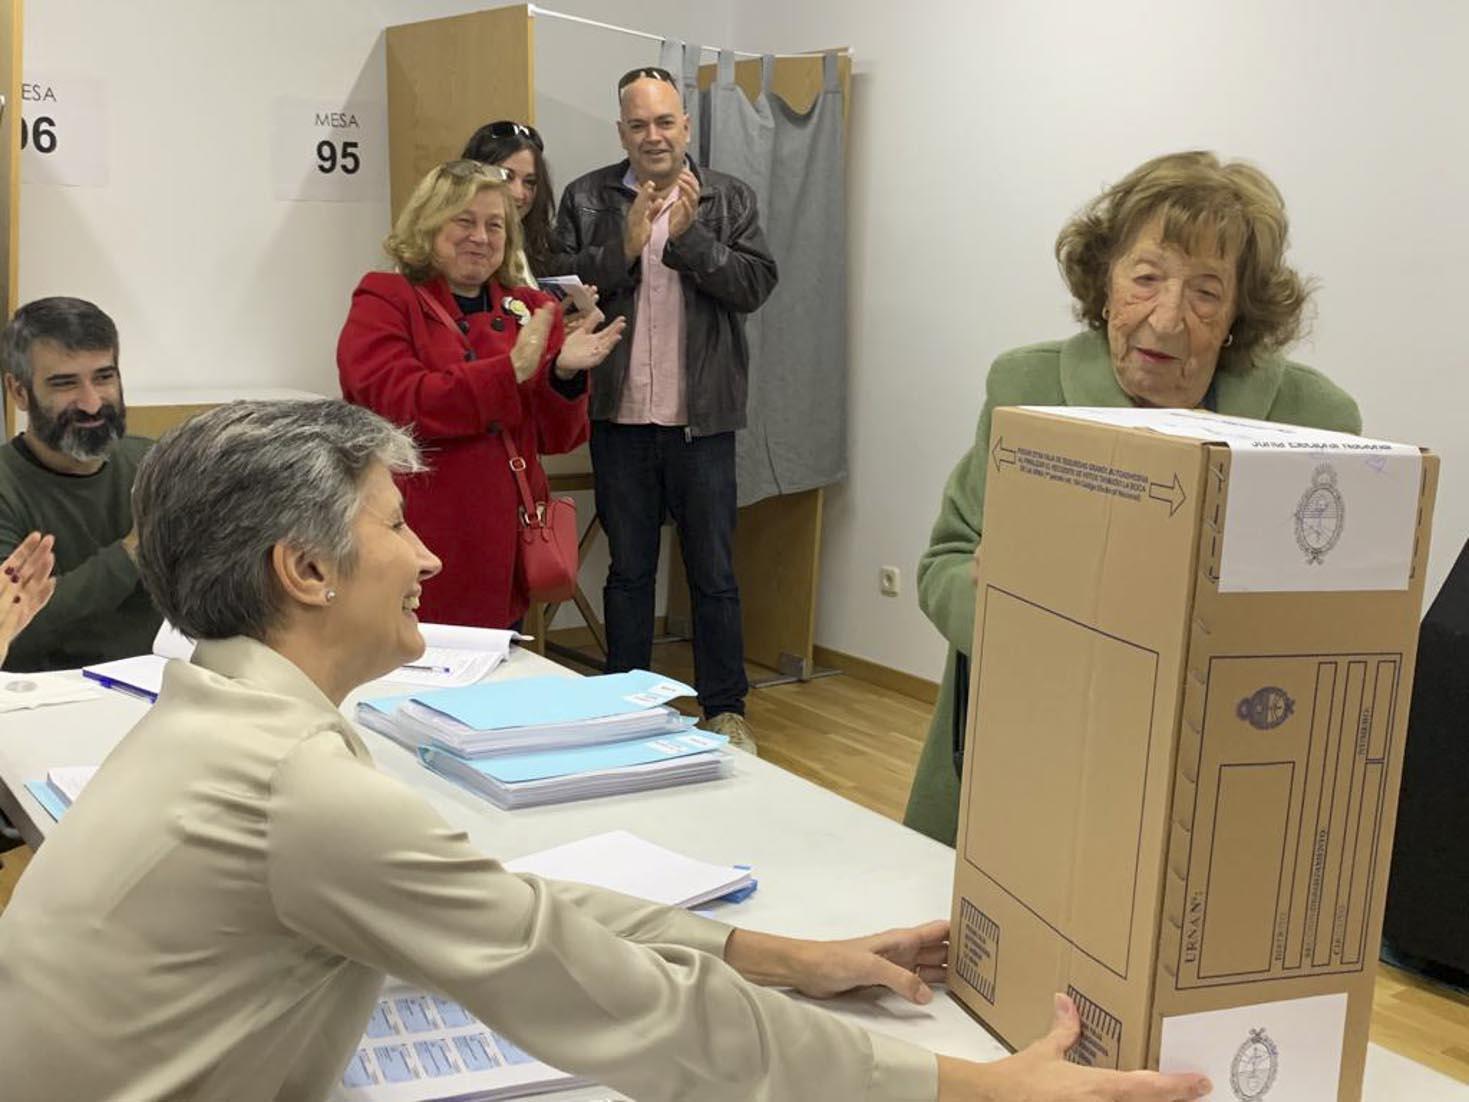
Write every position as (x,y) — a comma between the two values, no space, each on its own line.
(541,740)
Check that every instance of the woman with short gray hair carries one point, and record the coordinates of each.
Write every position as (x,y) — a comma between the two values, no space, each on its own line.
(214,915)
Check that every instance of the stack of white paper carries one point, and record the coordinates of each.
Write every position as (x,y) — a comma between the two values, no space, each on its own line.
(61,786)
(67,781)
(455,655)
(425,1048)
(622,862)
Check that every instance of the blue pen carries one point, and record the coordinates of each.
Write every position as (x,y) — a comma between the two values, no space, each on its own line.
(122,687)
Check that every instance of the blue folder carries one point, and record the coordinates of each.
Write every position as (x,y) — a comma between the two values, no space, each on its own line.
(543,701)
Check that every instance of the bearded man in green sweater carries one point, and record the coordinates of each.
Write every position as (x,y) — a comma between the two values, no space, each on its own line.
(70,474)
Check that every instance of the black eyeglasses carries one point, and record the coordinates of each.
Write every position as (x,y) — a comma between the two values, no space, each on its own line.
(507,129)
(651,72)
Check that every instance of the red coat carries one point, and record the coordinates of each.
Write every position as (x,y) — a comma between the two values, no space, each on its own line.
(399,360)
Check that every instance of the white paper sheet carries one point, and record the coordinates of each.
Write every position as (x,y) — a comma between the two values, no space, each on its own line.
(69,780)
(1287,1051)
(621,861)
(23,691)
(1308,509)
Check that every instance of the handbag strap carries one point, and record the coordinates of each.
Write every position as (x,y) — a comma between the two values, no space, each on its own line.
(531,511)
(436,308)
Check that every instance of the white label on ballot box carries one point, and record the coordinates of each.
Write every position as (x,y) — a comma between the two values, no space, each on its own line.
(326,151)
(63,131)
(1308,509)
(1288,1050)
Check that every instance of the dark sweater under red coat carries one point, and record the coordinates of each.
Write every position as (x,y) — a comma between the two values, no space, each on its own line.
(398,359)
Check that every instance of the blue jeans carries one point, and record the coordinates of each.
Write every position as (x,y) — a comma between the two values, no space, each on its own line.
(642,474)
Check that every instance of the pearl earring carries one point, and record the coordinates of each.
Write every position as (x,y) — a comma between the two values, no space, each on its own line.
(331,594)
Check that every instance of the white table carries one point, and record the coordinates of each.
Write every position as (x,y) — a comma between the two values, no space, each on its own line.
(827,867)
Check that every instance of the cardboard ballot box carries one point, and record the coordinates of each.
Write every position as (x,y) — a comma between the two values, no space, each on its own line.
(1193,651)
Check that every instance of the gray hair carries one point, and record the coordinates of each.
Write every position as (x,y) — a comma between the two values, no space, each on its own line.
(74,323)
(217,492)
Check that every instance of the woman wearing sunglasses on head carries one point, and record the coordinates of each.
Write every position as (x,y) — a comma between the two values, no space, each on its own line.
(518,151)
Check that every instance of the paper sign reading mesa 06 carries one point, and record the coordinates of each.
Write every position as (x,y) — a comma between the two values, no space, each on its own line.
(63,133)
(330,152)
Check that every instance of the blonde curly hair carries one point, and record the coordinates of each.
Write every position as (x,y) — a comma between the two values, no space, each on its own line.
(1232,207)
(439,196)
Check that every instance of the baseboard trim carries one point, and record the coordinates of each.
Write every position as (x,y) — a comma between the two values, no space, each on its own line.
(581,637)
(874,673)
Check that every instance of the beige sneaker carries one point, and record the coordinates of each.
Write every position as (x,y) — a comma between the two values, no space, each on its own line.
(732,726)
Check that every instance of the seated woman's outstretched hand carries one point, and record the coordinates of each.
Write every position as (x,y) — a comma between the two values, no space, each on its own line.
(904,960)
(1041,1073)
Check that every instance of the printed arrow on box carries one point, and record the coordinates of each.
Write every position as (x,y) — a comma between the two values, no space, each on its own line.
(1172,493)
(1002,455)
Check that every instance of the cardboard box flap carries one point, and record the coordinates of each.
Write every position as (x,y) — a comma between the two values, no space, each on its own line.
(1290,522)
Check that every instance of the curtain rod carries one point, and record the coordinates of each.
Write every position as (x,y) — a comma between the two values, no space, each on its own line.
(536,9)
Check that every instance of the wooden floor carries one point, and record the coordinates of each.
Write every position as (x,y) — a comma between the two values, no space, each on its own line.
(862,741)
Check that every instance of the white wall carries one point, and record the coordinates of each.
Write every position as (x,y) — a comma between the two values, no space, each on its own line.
(978,127)
(212,281)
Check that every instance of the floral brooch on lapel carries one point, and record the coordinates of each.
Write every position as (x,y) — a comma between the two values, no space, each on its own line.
(516,309)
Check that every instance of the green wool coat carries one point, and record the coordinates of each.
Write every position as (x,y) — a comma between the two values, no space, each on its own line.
(1075,372)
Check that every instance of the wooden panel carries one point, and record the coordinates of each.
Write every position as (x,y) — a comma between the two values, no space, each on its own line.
(910,685)
(777,563)
(446,78)
(11,40)
(796,79)
(154,421)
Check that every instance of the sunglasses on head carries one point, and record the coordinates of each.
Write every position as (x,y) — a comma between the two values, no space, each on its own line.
(507,129)
(650,72)
(465,169)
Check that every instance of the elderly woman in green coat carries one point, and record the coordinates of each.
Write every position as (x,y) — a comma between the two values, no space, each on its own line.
(1179,274)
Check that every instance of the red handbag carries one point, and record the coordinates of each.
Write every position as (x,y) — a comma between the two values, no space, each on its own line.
(546,559)
(546,564)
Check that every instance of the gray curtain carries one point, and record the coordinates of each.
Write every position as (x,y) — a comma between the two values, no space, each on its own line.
(682,60)
(796,437)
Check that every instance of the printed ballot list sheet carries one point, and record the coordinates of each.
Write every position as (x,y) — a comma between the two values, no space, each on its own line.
(420,1047)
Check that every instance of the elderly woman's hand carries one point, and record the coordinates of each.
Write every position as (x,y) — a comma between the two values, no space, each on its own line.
(588,346)
(25,585)
(525,357)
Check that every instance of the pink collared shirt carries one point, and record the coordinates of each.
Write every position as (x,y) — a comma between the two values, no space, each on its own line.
(655,391)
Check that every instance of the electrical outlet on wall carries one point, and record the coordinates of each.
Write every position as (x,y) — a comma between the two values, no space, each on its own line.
(889,580)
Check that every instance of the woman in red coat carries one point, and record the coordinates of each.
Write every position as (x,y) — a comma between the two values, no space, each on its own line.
(453,348)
